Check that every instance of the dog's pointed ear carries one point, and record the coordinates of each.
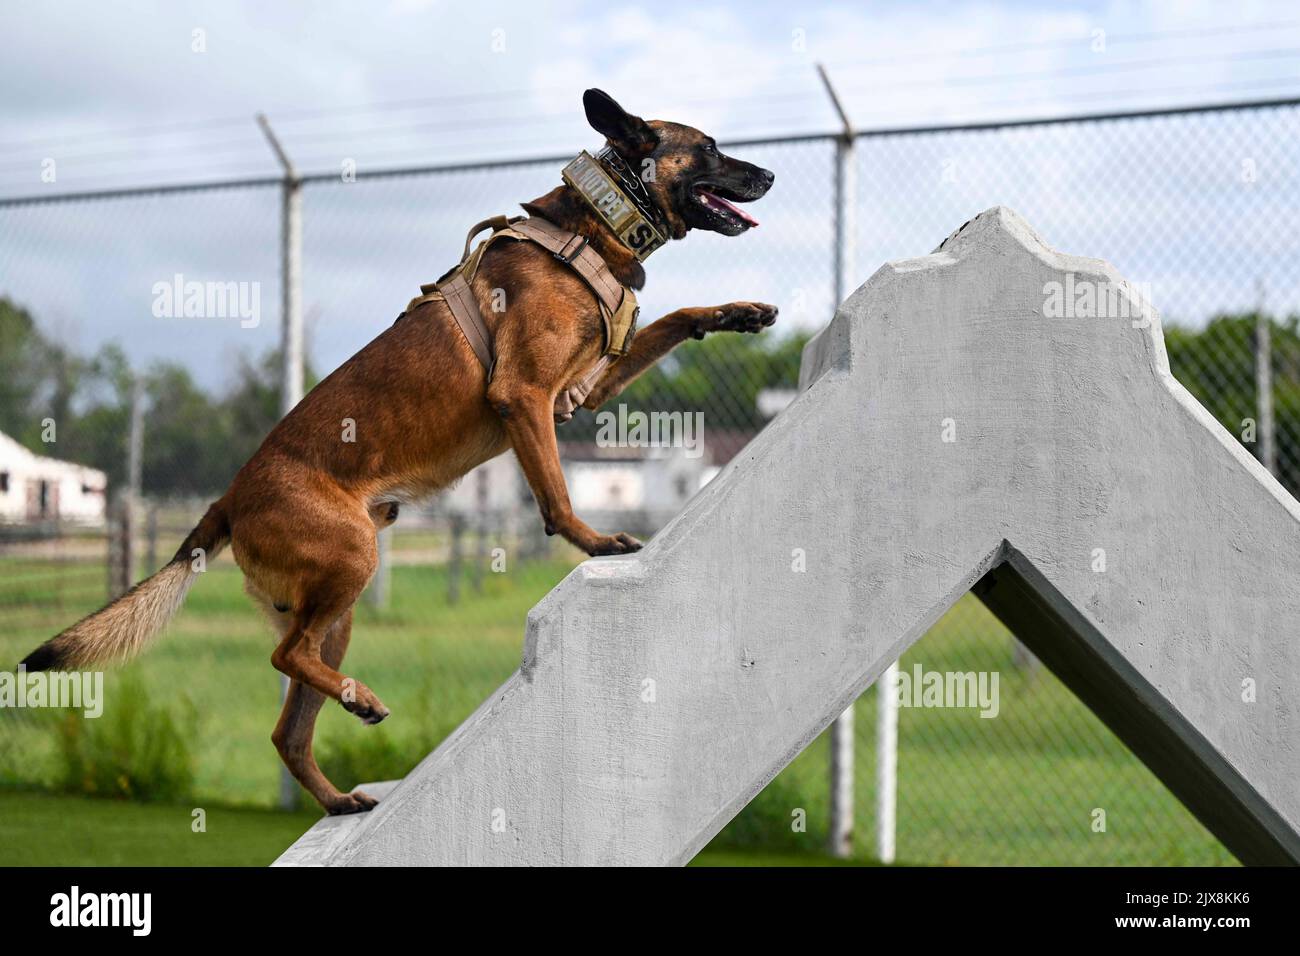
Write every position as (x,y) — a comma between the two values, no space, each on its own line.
(630,135)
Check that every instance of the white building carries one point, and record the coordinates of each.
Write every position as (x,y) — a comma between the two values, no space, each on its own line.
(654,481)
(35,489)
(645,486)
(638,488)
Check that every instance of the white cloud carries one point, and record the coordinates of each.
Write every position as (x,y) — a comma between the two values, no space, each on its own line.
(80,70)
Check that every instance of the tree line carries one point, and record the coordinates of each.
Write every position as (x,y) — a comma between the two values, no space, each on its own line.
(1217,365)
(196,440)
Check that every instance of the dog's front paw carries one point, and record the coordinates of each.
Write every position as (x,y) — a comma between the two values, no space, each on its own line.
(621,543)
(358,801)
(736,317)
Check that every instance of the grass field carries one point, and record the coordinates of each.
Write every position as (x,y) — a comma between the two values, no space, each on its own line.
(432,663)
(55,830)
(1023,788)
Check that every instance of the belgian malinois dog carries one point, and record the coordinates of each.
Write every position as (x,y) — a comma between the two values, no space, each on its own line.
(301,516)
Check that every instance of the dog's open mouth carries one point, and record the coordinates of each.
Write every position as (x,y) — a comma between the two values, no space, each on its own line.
(718,200)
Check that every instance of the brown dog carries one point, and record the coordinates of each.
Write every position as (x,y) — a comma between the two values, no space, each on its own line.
(301,516)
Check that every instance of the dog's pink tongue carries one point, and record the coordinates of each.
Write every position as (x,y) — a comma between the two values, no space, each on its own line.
(714,200)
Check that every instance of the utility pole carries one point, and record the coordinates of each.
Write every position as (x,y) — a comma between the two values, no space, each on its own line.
(290,334)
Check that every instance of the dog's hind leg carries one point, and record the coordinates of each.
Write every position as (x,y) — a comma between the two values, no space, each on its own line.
(327,574)
(300,657)
(293,733)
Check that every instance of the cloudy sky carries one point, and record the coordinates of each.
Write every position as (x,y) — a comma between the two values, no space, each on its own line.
(119,93)
(96,96)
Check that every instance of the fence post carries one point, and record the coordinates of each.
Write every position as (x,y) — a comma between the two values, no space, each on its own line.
(1022,658)
(135,481)
(381,583)
(1264,382)
(151,539)
(456,560)
(842,743)
(290,274)
(481,545)
(123,571)
(841,823)
(119,544)
(886,762)
(290,334)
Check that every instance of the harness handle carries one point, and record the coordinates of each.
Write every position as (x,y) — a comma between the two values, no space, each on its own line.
(496,222)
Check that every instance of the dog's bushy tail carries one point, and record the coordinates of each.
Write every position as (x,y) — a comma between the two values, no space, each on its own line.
(125,627)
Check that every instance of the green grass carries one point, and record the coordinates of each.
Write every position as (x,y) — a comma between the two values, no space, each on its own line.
(431,662)
(1018,789)
(54,830)
(741,857)
(39,829)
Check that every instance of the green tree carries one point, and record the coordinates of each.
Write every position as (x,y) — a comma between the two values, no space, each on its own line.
(194,441)
(24,355)
(186,435)
(252,406)
(720,376)
(1217,365)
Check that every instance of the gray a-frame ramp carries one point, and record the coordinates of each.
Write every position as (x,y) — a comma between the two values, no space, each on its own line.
(954,431)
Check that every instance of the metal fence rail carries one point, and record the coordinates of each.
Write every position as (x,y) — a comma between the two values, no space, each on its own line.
(1194,205)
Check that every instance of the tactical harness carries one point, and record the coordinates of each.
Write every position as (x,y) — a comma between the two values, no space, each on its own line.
(633,221)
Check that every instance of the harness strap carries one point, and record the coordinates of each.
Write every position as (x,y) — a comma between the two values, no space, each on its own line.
(618,306)
(453,287)
(464,309)
(571,399)
(572,249)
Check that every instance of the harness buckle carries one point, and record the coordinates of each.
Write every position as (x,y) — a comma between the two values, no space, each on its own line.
(568,260)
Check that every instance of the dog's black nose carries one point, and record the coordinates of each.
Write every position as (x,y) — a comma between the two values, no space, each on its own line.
(767,176)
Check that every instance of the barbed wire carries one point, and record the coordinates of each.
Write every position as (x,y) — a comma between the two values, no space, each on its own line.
(302,124)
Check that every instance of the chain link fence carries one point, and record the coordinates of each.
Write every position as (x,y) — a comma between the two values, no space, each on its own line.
(1195,206)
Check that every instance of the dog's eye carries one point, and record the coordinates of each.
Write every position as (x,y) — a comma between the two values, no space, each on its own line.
(710,149)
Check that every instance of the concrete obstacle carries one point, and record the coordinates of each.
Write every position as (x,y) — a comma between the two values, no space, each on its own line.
(995,416)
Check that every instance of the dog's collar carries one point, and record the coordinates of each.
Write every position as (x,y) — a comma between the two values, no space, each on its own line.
(633,185)
(619,197)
